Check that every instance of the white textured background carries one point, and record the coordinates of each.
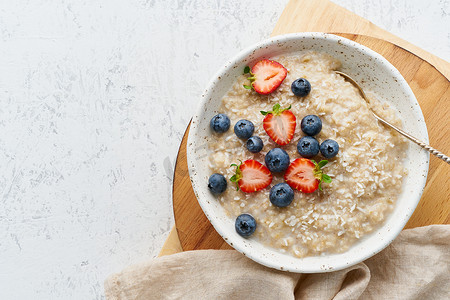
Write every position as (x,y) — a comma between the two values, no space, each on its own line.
(94,100)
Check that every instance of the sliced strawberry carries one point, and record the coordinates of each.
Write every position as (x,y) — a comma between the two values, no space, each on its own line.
(251,176)
(279,124)
(266,76)
(306,175)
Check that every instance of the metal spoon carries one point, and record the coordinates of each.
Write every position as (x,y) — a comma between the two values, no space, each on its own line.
(421,144)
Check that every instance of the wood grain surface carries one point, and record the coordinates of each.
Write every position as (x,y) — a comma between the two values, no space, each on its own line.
(325,16)
(433,93)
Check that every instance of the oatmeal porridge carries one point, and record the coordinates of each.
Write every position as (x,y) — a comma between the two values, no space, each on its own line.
(366,173)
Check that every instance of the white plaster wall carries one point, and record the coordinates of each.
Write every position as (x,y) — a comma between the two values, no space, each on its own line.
(94,99)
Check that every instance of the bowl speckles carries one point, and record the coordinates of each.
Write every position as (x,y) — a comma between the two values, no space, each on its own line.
(375,73)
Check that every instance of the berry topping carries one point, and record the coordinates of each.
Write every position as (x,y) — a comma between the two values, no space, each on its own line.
(251,176)
(266,76)
(329,148)
(220,123)
(279,124)
(277,160)
(217,183)
(311,125)
(254,144)
(306,175)
(308,146)
(281,195)
(301,87)
(245,225)
(244,129)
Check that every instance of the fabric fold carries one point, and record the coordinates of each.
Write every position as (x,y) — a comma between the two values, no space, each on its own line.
(415,266)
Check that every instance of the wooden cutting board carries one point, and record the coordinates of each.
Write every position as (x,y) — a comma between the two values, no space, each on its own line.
(430,86)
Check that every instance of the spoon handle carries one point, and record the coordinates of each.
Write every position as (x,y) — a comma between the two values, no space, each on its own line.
(430,149)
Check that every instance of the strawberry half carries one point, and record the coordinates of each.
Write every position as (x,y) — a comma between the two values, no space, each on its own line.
(279,124)
(266,76)
(251,176)
(306,175)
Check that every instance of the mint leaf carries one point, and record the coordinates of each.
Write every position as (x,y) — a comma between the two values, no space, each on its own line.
(322,163)
(246,70)
(276,110)
(276,107)
(326,178)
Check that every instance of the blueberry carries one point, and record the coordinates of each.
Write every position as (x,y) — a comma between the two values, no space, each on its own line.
(311,125)
(217,183)
(254,144)
(245,225)
(308,146)
(281,195)
(220,123)
(277,160)
(329,148)
(244,129)
(301,87)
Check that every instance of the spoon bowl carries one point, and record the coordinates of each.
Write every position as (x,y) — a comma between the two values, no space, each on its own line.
(430,149)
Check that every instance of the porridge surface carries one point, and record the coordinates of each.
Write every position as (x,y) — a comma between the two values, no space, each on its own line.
(367,172)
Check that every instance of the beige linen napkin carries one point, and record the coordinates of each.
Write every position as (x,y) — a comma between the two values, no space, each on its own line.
(415,266)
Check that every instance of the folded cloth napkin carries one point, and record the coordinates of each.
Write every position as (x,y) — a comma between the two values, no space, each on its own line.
(415,266)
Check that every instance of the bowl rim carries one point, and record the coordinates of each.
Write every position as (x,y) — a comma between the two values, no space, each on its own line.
(393,233)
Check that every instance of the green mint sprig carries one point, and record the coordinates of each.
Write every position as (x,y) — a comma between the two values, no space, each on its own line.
(319,174)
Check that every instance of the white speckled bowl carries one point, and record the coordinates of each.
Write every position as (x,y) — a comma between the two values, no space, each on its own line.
(376,74)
